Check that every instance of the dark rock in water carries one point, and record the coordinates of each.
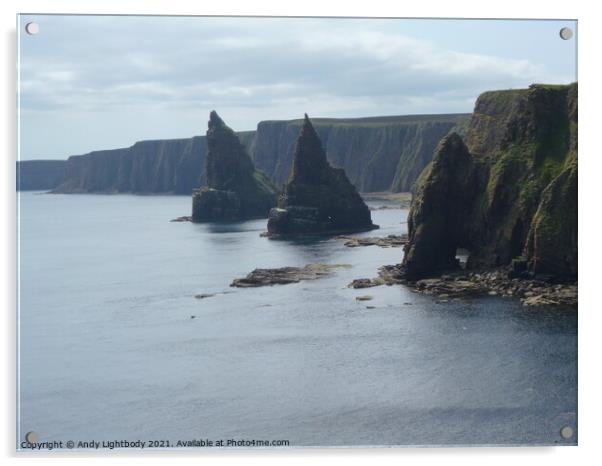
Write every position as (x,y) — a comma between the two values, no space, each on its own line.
(507,192)
(390,241)
(445,289)
(212,204)
(387,275)
(285,275)
(462,284)
(495,282)
(391,274)
(185,218)
(359,283)
(235,191)
(318,198)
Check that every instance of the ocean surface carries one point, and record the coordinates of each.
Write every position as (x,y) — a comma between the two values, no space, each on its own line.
(108,349)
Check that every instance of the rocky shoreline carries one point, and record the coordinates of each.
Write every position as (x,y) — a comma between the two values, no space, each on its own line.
(464,284)
(390,241)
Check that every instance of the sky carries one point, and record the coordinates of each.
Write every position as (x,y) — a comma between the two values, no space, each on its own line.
(102,82)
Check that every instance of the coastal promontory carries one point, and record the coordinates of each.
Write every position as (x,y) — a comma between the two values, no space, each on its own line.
(506,192)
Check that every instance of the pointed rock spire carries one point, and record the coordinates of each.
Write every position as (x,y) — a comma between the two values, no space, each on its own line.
(318,198)
(228,163)
(310,165)
(235,189)
(215,119)
(217,128)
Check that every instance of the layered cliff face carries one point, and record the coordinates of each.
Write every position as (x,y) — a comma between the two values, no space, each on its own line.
(235,189)
(163,166)
(40,174)
(507,193)
(377,154)
(317,198)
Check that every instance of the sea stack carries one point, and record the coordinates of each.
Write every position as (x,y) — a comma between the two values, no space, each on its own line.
(235,190)
(318,199)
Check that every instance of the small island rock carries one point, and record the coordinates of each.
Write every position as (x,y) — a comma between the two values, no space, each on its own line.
(235,189)
(318,199)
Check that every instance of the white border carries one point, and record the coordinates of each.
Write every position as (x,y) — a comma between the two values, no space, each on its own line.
(590,324)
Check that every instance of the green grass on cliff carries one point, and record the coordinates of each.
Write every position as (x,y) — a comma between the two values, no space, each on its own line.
(423,177)
(541,160)
(383,121)
(264,182)
(503,96)
(552,87)
(491,114)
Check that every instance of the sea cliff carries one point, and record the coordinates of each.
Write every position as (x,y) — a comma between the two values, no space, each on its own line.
(377,153)
(163,166)
(506,192)
(40,174)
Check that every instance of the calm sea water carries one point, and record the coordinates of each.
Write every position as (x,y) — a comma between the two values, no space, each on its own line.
(109,351)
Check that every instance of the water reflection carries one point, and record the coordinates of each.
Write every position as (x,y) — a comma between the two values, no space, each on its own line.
(304,361)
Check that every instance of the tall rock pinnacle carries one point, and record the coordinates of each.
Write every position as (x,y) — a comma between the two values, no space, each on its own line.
(235,191)
(310,165)
(228,164)
(317,198)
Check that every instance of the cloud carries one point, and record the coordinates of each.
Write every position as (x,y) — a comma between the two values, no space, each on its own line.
(251,68)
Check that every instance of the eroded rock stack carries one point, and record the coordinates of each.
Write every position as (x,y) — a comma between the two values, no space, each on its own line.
(235,191)
(507,193)
(318,198)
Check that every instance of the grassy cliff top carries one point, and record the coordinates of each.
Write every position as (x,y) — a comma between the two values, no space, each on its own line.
(377,121)
(508,95)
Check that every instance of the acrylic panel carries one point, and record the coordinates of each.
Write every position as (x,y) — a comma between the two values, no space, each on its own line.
(246,232)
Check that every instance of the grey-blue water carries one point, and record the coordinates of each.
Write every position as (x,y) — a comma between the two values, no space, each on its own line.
(108,349)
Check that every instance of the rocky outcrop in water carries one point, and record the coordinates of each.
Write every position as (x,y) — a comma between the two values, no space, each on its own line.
(40,174)
(317,198)
(235,191)
(462,285)
(507,192)
(285,275)
(389,241)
